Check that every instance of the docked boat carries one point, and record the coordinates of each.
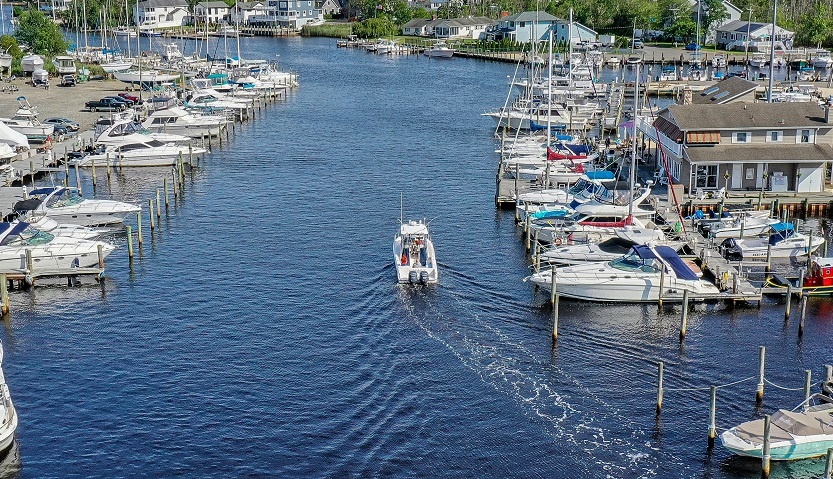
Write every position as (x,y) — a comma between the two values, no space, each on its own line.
(817,282)
(804,432)
(758,60)
(633,60)
(668,73)
(719,61)
(781,241)
(439,50)
(120,132)
(8,414)
(608,250)
(65,205)
(144,153)
(44,223)
(822,59)
(25,121)
(413,254)
(636,277)
(613,61)
(737,225)
(48,251)
(125,32)
(179,122)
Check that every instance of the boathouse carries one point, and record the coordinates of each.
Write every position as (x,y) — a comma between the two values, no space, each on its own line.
(745,146)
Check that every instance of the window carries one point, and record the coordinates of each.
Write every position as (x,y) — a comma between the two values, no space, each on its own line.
(741,137)
(723,35)
(774,136)
(523,24)
(706,176)
(805,136)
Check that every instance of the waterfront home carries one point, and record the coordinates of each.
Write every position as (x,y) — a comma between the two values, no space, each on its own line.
(211,12)
(745,146)
(294,13)
(734,36)
(419,27)
(467,27)
(243,12)
(580,33)
(728,90)
(150,14)
(328,7)
(522,27)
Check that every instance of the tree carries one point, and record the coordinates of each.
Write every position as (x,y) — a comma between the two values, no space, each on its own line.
(712,14)
(816,25)
(375,28)
(683,28)
(40,33)
(9,44)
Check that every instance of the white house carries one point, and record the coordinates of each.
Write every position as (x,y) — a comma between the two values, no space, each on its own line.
(468,27)
(420,27)
(150,14)
(243,12)
(211,12)
(521,27)
(733,36)
(581,33)
(734,14)
(329,7)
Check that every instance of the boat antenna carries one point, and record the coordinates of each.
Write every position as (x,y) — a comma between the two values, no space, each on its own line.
(634,163)
(400,207)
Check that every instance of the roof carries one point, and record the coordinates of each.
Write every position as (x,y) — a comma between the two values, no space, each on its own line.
(737,116)
(248,5)
(724,91)
(466,21)
(419,22)
(530,17)
(162,3)
(763,153)
(740,26)
(213,5)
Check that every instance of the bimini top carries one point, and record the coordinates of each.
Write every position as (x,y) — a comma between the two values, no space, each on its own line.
(414,228)
(681,270)
(43,191)
(599,175)
(779,227)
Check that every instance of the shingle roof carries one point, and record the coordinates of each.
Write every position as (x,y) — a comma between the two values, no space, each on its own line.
(740,26)
(248,5)
(213,5)
(468,21)
(529,17)
(734,116)
(162,3)
(723,91)
(767,153)
(418,22)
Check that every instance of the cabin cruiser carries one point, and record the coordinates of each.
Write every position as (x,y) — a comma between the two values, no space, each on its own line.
(212,100)
(48,251)
(637,277)
(413,254)
(758,60)
(439,50)
(66,205)
(781,241)
(120,132)
(822,59)
(25,121)
(736,225)
(139,153)
(42,222)
(804,432)
(588,225)
(178,121)
(607,250)
(8,414)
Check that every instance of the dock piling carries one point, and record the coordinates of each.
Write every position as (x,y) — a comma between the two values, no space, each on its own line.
(768,267)
(4,294)
(684,319)
(158,205)
(759,394)
(660,373)
(712,415)
(554,302)
(661,287)
(808,378)
(129,241)
(107,163)
(150,215)
(789,302)
(95,178)
(765,458)
(77,179)
(165,187)
(139,227)
(803,314)
(100,249)
(828,465)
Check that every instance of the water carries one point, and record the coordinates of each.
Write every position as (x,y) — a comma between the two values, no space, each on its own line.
(260,332)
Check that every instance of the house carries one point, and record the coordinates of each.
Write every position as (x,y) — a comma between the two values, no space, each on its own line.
(733,14)
(467,27)
(150,14)
(731,89)
(329,7)
(292,14)
(745,146)
(522,27)
(734,35)
(580,33)
(419,27)
(211,12)
(243,12)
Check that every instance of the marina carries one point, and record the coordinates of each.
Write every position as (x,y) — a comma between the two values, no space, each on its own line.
(341,371)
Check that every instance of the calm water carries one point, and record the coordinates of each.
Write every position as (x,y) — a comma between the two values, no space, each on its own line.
(260,332)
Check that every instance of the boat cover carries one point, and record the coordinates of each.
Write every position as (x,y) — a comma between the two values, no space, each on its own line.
(42,191)
(780,232)
(536,127)
(600,175)
(581,150)
(11,137)
(10,235)
(681,270)
(27,205)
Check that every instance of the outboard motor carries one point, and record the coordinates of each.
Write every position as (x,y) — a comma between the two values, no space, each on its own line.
(423,277)
(730,250)
(413,277)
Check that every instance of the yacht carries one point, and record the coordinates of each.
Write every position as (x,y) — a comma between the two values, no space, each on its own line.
(607,250)
(822,59)
(782,241)
(637,277)
(25,121)
(737,225)
(139,153)
(212,100)
(48,251)
(413,254)
(8,414)
(66,205)
(804,432)
(118,132)
(439,50)
(42,222)
(178,121)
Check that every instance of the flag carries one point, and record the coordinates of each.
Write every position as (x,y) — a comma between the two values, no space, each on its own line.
(378,6)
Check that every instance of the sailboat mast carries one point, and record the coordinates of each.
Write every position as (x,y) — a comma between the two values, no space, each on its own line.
(634,163)
(77,27)
(86,41)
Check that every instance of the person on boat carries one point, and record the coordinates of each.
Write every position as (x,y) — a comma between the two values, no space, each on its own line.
(404,256)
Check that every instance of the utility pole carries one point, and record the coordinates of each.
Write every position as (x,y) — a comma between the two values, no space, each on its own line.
(748,24)
(772,51)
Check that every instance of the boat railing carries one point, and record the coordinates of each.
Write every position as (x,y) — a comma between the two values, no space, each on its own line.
(8,407)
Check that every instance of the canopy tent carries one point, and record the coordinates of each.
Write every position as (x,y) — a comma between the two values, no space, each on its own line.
(12,138)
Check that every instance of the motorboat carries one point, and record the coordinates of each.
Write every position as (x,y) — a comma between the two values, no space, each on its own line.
(639,276)
(633,59)
(608,250)
(117,65)
(413,254)
(117,132)
(8,414)
(758,60)
(44,223)
(719,61)
(64,65)
(212,100)
(439,50)
(66,205)
(178,121)
(590,226)
(125,32)
(613,61)
(383,46)
(145,77)
(737,225)
(822,59)
(6,60)
(801,433)
(49,252)
(668,73)
(139,153)
(25,121)
(171,52)
(781,241)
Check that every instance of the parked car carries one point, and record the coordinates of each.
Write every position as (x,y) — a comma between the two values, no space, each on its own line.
(692,46)
(128,96)
(68,80)
(637,43)
(60,132)
(127,102)
(106,104)
(63,122)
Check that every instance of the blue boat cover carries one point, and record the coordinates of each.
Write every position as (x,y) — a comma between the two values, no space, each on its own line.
(681,270)
(781,231)
(564,137)
(42,191)
(578,149)
(600,175)
(643,251)
(538,215)
(779,227)
(536,127)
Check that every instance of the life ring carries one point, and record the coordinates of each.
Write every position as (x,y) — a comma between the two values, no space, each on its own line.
(558,241)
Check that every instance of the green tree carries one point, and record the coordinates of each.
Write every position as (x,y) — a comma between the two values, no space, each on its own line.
(684,28)
(815,26)
(375,28)
(9,44)
(714,12)
(40,33)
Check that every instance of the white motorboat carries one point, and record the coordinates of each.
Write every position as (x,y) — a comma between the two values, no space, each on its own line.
(8,414)
(65,205)
(25,121)
(737,224)
(804,432)
(719,61)
(633,278)
(5,60)
(125,32)
(822,59)
(782,241)
(46,224)
(608,250)
(178,121)
(117,66)
(49,252)
(758,60)
(126,131)
(145,77)
(587,225)
(210,100)
(439,50)
(633,60)
(613,61)
(413,254)
(64,65)
(140,153)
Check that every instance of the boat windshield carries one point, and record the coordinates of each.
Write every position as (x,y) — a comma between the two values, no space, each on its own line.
(633,262)
(67,198)
(34,237)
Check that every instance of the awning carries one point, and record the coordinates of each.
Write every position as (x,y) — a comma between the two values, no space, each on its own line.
(710,137)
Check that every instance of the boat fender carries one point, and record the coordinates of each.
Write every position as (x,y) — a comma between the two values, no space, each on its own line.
(557,241)
(413,277)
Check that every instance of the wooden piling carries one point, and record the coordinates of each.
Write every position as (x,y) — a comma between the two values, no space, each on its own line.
(765,458)
(129,241)
(661,287)
(176,189)
(803,314)
(528,232)
(30,264)
(828,373)
(77,178)
(139,227)
(158,205)
(191,154)
(660,372)
(107,163)
(768,267)
(100,249)
(759,394)
(4,294)
(95,178)
(165,187)
(31,172)
(712,415)
(808,378)
(554,302)
(150,215)
(789,302)
(684,319)
(828,465)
